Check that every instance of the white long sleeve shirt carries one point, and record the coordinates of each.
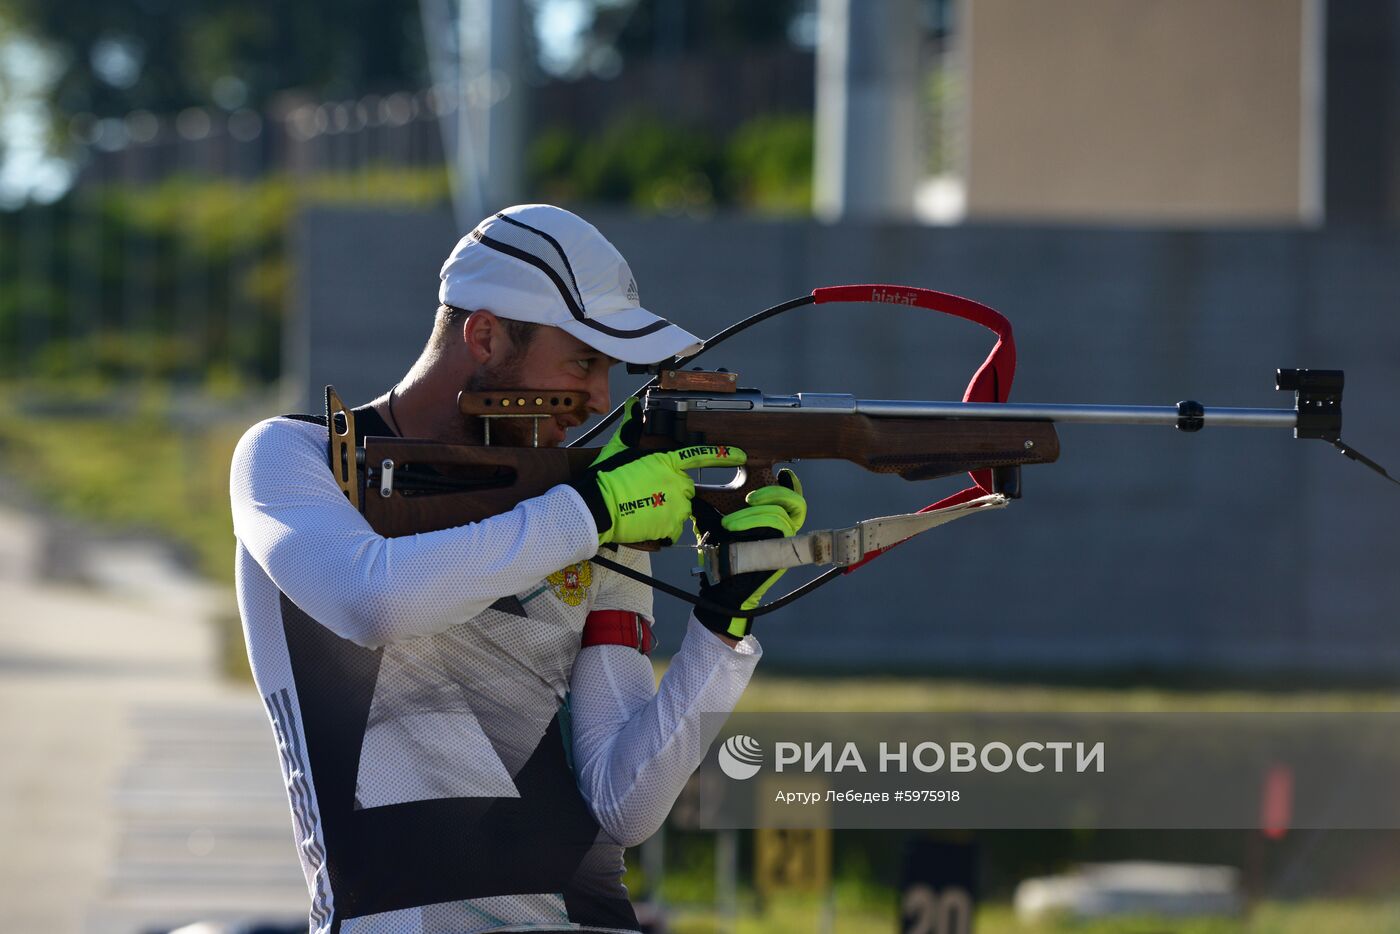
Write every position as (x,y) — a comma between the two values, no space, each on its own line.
(453,760)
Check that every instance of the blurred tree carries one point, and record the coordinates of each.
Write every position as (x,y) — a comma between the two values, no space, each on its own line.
(643,28)
(770,164)
(659,166)
(114,56)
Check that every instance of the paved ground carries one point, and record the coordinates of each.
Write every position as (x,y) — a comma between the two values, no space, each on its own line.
(138,791)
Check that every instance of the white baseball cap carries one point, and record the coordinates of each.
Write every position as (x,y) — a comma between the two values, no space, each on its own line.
(540,263)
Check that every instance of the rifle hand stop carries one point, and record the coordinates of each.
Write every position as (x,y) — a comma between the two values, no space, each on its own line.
(1317,398)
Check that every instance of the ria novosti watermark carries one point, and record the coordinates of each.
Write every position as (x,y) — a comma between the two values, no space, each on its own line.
(1182,771)
(741,757)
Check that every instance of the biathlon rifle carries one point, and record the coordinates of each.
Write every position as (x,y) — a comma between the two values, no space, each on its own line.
(406,486)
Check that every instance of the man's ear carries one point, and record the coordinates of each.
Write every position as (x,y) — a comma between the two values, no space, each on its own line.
(483,335)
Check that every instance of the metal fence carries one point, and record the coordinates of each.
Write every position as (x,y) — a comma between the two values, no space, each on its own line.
(167,258)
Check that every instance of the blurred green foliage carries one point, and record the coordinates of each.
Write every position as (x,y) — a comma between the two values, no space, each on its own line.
(770,165)
(114,56)
(651,28)
(135,468)
(186,281)
(942,91)
(654,165)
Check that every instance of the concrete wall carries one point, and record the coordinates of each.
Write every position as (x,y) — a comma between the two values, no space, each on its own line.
(1170,110)
(1363,111)
(1142,547)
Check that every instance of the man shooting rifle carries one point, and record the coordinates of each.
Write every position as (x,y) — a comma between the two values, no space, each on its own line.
(467,719)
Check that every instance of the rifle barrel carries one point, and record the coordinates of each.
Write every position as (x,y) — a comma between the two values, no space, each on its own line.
(1084,414)
(821,403)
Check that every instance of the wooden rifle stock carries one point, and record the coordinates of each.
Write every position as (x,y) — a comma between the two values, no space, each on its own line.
(437,486)
(913,448)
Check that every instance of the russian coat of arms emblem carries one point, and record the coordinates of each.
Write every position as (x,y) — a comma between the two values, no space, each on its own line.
(571,584)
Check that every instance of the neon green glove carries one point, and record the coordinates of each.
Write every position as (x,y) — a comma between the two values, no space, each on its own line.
(638,497)
(773,512)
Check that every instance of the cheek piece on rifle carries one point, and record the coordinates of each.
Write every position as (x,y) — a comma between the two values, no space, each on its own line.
(773,512)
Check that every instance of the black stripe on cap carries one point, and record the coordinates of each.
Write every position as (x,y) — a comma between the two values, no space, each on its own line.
(563,257)
(572,297)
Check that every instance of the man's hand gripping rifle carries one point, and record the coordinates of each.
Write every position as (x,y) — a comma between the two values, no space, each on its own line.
(406,486)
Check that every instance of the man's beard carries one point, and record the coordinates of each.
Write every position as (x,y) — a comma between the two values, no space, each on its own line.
(505,432)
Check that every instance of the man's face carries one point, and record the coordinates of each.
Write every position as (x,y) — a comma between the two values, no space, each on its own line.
(554,360)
